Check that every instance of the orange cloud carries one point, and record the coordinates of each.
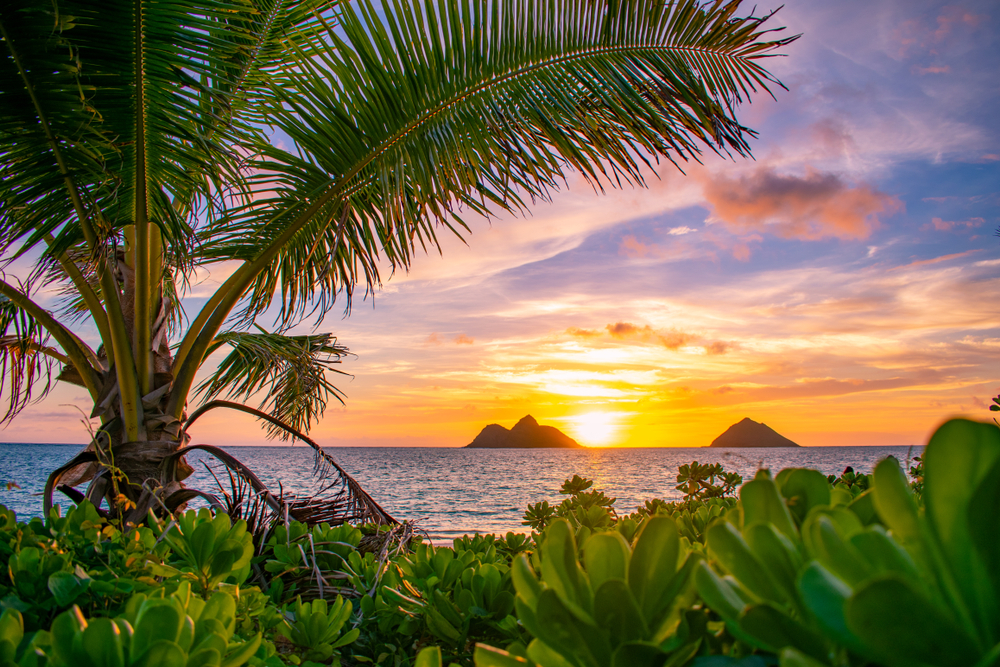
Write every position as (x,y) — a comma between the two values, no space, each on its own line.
(583,333)
(718,347)
(433,339)
(812,207)
(628,330)
(933,69)
(462,339)
(632,247)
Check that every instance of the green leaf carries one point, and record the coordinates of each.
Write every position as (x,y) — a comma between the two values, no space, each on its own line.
(102,643)
(803,489)
(429,657)
(984,524)
(638,654)
(564,632)
(959,458)
(159,621)
(774,629)
(559,565)
(732,551)
(488,656)
(238,655)
(899,625)
(161,653)
(792,657)
(762,504)
(777,554)
(205,657)
(825,596)
(616,611)
(606,556)
(653,565)
(66,587)
(894,502)
(718,593)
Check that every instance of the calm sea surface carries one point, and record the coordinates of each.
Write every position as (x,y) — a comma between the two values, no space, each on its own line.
(449,492)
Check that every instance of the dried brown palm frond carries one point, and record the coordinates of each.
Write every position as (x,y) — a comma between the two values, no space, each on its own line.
(340,499)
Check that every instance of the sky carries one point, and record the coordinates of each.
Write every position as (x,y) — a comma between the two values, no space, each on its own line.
(841,287)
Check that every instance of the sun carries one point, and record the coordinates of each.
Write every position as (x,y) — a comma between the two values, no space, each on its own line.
(596,429)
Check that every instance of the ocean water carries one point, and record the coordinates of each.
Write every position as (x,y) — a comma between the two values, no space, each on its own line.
(452,491)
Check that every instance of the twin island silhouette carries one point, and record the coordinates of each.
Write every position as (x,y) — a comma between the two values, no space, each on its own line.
(529,434)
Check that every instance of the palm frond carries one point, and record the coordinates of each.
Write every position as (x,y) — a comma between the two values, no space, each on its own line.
(409,114)
(26,359)
(290,372)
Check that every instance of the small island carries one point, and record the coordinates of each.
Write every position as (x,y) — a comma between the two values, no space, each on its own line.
(526,434)
(749,433)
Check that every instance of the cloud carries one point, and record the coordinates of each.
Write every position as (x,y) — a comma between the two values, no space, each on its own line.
(633,248)
(583,333)
(433,339)
(628,330)
(937,260)
(718,347)
(680,231)
(815,206)
(462,339)
(933,69)
(945,225)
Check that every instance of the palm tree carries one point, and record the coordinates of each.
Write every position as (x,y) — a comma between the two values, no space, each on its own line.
(313,145)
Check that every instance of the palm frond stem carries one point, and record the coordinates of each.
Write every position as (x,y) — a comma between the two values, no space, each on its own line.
(76,350)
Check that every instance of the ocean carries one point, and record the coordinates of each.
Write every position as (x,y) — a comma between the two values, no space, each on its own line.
(449,492)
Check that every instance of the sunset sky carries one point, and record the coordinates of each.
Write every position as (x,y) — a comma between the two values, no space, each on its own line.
(843,287)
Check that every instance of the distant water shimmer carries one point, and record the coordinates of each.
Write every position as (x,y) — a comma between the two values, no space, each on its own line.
(451,491)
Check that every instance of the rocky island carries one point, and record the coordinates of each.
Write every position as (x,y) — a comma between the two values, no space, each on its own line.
(526,434)
(749,433)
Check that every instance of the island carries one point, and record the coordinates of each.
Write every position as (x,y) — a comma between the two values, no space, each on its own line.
(526,434)
(749,433)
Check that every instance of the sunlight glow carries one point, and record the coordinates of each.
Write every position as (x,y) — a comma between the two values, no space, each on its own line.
(596,429)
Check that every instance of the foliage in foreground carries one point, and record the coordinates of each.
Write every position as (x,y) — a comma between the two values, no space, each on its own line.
(800,570)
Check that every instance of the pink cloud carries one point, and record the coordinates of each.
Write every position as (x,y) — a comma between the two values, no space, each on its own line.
(815,206)
(433,339)
(933,69)
(937,260)
(946,225)
(632,248)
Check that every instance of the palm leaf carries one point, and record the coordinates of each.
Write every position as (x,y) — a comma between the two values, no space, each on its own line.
(290,371)
(26,359)
(405,116)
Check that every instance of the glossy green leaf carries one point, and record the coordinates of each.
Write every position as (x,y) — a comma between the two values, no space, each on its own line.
(984,524)
(883,553)
(559,565)
(606,556)
(488,656)
(653,564)
(825,597)
(102,643)
(894,502)
(718,593)
(774,629)
(206,657)
(564,632)
(864,507)
(763,504)
(546,656)
(899,625)
(803,489)
(792,657)
(243,652)
(66,587)
(616,611)
(959,458)
(732,551)
(160,653)
(777,554)
(827,544)
(159,620)
(638,654)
